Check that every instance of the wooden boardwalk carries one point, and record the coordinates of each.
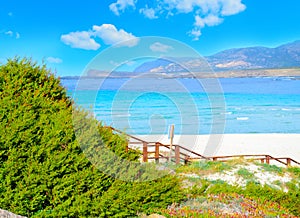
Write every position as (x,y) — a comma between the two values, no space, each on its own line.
(158,152)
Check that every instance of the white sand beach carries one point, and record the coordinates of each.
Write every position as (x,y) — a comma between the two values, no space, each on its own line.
(276,145)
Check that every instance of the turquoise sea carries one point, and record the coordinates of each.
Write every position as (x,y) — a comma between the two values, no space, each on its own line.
(228,105)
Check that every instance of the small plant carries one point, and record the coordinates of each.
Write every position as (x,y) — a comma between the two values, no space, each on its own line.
(278,183)
(243,172)
(198,189)
(204,167)
(295,171)
(239,161)
(272,168)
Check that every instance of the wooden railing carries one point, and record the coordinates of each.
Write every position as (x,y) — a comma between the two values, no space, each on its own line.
(264,158)
(185,155)
(181,154)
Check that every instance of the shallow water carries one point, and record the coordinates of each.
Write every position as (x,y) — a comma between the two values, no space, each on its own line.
(232,105)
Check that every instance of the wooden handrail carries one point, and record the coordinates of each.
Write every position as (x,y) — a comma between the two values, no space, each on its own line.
(291,160)
(186,149)
(190,151)
(259,157)
(179,154)
(130,136)
(187,158)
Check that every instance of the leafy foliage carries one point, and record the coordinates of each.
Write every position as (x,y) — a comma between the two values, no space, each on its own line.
(43,170)
(142,197)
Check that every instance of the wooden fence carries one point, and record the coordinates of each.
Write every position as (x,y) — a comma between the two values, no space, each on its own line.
(158,152)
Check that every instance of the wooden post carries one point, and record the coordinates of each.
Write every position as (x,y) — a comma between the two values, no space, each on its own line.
(177,154)
(171,135)
(186,160)
(262,160)
(145,152)
(127,146)
(215,158)
(267,159)
(157,152)
(288,162)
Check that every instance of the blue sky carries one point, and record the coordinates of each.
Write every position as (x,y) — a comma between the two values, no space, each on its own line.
(68,34)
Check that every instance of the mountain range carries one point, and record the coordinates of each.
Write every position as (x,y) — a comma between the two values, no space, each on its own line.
(284,56)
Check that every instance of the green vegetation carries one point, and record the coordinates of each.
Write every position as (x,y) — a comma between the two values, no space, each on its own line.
(243,172)
(226,205)
(223,200)
(217,198)
(295,171)
(43,170)
(52,164)
(271,168)
(205,167)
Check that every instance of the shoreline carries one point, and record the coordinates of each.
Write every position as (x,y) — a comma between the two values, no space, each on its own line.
(229,73)
(275,144)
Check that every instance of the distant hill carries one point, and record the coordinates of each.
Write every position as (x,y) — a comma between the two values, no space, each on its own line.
(283,60)
(284,56)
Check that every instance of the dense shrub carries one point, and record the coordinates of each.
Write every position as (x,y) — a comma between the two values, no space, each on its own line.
(43,171)
(123,199)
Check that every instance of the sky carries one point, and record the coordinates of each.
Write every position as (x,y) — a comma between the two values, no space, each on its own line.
(67,35)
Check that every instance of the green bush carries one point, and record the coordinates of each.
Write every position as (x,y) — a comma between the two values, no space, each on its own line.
(43,170)
(125,199)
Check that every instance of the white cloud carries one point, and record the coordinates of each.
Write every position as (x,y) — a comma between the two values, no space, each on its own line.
(159,47)
(121,5)
(222,7)
(206,12)
(182,6)
(54,60)
(9,33)
(148,12)
(17,35)
(12,34)
(111,35)
(108,33)
(231,7)
(195,33)
(81,40)
(209,20)
(201,22)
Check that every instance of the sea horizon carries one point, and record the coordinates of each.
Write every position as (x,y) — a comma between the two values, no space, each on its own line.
(248,105)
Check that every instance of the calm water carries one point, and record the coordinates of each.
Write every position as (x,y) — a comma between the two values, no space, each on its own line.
(148,106)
